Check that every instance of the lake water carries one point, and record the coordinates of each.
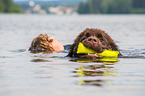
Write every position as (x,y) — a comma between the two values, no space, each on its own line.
(26,74)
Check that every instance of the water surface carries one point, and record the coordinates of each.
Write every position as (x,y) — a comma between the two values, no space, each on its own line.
(26,74)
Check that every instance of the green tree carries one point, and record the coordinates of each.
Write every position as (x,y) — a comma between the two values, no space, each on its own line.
(121,6)
(8,6)
(91,6)
(81,8)
(108,6)
(94,5)
(139,3)
(2,6)
(116,6)
(138,6)
(86,8)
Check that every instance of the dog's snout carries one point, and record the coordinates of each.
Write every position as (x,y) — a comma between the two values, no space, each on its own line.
(92,39)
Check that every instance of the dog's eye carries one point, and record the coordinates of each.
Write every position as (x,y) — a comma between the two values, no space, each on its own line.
(99,35)
(87,34)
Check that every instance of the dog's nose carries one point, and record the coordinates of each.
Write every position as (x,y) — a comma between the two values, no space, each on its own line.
(92,39)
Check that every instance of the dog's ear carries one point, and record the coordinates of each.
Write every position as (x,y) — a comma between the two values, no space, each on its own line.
(73,49)
(77,40)
(111,43)
(114,46)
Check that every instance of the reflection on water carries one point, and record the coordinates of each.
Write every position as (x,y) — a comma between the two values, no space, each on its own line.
(99,60)
(94,71)
(19,50)
(41,60)
(45,57)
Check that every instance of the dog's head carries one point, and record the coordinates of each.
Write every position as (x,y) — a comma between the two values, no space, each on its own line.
(43,43)
(95,39)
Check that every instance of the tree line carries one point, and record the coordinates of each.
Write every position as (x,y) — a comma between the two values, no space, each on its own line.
(7,6)
(111,6)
